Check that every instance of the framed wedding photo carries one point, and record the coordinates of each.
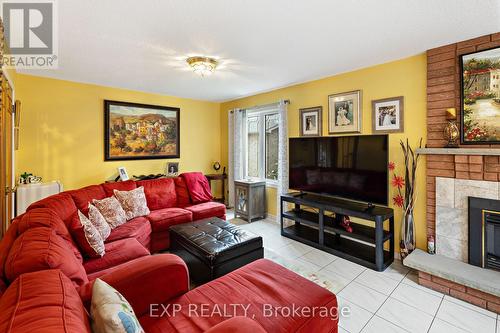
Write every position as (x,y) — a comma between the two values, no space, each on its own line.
(388,115)
(344,112)
(311,121)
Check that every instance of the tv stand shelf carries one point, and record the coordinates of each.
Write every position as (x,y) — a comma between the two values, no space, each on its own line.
(316,224)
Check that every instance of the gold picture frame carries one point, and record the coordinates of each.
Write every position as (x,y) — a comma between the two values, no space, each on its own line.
(345,112)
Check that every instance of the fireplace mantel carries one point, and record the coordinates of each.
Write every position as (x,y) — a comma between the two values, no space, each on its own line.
(459,151)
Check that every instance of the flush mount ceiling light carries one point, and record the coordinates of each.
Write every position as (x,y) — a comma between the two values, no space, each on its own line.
(202,65)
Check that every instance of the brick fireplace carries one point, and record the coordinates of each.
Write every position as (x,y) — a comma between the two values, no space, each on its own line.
(443,91)
(468,171)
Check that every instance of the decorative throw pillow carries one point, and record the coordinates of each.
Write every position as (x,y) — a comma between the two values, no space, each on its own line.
(87,236)
(99,222)
(112,211)
(133,202)
(110,311)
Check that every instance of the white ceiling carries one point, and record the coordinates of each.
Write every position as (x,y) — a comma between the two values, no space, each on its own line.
(261,44)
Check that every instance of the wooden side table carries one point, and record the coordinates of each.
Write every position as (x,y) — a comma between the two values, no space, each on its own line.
(250,199)
(222,178)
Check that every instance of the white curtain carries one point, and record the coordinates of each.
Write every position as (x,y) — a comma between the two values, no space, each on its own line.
(282,187)
(236,121)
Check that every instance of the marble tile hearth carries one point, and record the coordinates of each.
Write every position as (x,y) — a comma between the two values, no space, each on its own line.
(452,213)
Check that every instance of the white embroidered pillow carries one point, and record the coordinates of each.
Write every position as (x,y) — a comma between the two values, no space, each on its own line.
(111,312)
(99,222)
(94,241)
(133,202)
(112,211)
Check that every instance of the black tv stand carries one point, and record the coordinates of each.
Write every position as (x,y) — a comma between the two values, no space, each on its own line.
(316,223)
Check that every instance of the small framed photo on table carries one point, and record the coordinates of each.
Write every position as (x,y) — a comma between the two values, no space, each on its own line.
(311,121)
(123,174)
(172,168)
(388,115)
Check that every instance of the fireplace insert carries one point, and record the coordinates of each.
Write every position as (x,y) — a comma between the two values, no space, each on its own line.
(484,233)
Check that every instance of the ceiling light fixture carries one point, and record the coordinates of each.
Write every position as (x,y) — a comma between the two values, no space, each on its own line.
(203,66)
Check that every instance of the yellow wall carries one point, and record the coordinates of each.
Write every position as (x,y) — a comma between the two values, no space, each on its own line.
(62,131)
(406,77)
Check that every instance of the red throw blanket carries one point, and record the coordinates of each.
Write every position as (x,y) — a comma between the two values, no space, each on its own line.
(198,187)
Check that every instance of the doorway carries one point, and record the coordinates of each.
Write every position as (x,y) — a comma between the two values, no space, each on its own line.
(6,154)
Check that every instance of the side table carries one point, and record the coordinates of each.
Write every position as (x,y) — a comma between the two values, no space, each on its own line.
(250,199)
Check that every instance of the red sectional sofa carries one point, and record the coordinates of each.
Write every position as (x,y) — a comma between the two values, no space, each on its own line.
(39,239)
(256,298)
(45,279)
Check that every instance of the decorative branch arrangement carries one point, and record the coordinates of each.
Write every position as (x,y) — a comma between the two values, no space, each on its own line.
(405,197)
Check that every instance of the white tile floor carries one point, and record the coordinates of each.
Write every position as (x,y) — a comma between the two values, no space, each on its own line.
(380,302)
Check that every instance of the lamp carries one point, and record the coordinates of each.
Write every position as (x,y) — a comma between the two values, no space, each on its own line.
(450,131)
(202,65)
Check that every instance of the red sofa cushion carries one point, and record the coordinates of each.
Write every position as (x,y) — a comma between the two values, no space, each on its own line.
(198,187)
(43,302)
(206,210)
(61,203)
(43,217)
(85,195)
(162,219)
(183,199)
(41,248)
(117,252)
(5,245)
(138,228)
(260,282)
(237,325)
(160,193)
(127,185)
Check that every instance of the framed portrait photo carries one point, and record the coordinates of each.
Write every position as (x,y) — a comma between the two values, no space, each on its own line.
(172,168)
(388,115)
(139,131)
(480,97)
(311,121)
(344,112)
(123,174)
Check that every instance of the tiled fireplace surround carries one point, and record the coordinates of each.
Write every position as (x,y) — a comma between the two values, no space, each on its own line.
(452,178)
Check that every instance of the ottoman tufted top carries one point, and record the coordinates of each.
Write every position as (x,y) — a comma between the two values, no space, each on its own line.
(215,238)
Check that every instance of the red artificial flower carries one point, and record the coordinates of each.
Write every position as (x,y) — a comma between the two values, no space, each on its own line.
(398,200)
(392,166)
(398,181)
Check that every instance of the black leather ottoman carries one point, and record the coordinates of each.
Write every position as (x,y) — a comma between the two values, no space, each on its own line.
(213,247)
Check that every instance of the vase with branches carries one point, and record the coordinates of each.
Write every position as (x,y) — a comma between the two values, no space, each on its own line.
(405,196)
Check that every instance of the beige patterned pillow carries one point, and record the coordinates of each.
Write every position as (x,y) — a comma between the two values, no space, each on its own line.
(133,202)
(99,222)
(112,211)
(111,312)
(91,235)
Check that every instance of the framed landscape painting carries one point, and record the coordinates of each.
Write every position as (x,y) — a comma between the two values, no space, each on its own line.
(140,131)
(480,97)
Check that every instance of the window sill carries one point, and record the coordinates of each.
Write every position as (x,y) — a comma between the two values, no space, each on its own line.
(271,183)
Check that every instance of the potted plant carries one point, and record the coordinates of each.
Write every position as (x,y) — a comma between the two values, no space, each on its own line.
(405,196)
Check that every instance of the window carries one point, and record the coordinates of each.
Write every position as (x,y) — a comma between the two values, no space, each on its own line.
(262,145)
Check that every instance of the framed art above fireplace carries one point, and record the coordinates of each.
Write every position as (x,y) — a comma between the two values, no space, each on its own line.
(139,131)
(480,97)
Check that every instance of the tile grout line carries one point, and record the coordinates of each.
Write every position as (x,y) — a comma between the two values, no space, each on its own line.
(470,308)
(381,305)
(435,316)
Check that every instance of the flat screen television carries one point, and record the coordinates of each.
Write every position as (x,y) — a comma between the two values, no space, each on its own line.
(352,167)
